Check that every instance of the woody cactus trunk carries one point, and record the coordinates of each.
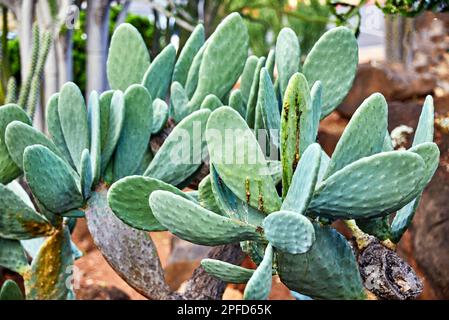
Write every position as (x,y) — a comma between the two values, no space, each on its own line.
(103,163)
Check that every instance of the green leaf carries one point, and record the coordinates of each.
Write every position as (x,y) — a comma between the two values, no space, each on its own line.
(289,231)
(128,199)
(116,119)
(370,187)
(94,121)
(19,136)
(160,115)
(223,59)
(206,195)
(333,60)
(236,102)
(304,180)
(430,153)
(211,102)
(193,223)
(424,131)
(181,153)
(86,174)
(363,136)
(226,272)
(11,291)
(240,164)
(296,103)
(73,117)
(51,268)
(327,271)
(18,221)
(128,58)
(247,77)
(12,256)
(9,113)
(188,52)
(52,180)
(135,133)
(268,105)
(253,95)
(288,55)
(54,128)
(157,79)
(259,285)
(179,101)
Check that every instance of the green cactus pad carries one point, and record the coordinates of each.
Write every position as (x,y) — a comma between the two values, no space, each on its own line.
(160,115)
(241,164)
(193,223)
(296,103)
(304,180)
(54,128)
(157,79)
(19,135)
(363,136)
(135,133)
(424,131)
(431,155)
(268,105)
(327,271)
(275,168)
(316,93)
(94,122)
(226,272)
(206,195)
(247,77)
(9,113)
(253,95)
(73,117)
(179,101)
(333,60)
(105,106)
(211,102)
(12,256)
(236,102)
(288,55)
(230,205)
(51,268)
(259,285)
(52,180)
(324,164)
(270,63)
(18,221)
(86,174)
(289,231)
(116,119)
(181,153)
(128,58)
(128,199)
(11,291)
(223,59)
(388,143)
(193,75)
(370,187)
(189,50)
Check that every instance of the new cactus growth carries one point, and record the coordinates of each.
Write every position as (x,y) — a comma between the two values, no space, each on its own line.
(101,163)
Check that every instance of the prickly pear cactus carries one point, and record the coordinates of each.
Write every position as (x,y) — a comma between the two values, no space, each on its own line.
(101,162)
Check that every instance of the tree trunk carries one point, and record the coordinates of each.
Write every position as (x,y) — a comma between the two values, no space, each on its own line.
(399,39)
(97,43)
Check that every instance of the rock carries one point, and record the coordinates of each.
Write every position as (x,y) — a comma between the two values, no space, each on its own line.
(185,257)
(430,231)
(392,80)
(330,131)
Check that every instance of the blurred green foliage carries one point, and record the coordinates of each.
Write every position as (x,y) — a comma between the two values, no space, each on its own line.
(411,8)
